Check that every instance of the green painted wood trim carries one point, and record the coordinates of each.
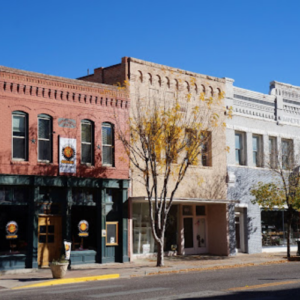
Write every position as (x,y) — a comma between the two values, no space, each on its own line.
(62,181)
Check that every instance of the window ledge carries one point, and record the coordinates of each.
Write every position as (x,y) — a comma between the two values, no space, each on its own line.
(251,167)
(19,162)
(108,167)
(87,165)
(44,162)
(201,167)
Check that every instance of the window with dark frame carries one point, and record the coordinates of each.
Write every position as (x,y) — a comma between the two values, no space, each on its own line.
(107,144)
(19,135)
(272,152)
(44,138)
(206,149)
(87,142)
(287,154)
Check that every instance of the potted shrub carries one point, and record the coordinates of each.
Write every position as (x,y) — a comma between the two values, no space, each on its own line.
(59,267)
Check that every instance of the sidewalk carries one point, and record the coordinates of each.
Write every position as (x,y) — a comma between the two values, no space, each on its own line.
(143,267)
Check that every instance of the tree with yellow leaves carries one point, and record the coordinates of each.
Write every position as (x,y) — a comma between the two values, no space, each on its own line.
(283,191)
(167,137)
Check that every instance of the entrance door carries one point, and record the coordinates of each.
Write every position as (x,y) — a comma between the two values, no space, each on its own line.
(49,239)
(188,235)
(195,241)
(200,235)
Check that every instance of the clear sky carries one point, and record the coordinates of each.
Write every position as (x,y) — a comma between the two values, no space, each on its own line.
(253,42)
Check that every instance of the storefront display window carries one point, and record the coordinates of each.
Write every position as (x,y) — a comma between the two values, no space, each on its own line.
(18,215)
(89,214)
(13,194)
(274,228)
(83,196)
(143,241)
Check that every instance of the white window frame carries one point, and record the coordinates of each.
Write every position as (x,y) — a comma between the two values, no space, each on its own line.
(107,124)
(25,116)
(87,143)
(258,151)
(242,149)
(44,117)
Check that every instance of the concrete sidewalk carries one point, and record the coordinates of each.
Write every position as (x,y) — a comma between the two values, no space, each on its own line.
(143,267)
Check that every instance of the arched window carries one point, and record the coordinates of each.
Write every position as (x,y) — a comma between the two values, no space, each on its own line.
(107,144)
(44,138)
(87,142)
(20,135)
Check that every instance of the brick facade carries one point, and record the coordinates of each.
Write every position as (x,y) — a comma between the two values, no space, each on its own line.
(57,97)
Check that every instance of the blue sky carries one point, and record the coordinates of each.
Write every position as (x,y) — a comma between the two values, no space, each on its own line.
(253,42)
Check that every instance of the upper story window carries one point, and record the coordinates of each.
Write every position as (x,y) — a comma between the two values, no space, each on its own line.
(44,138)
(257,150)
(87,142)
(240,148)
(107,144)
(206,150)
(272,152)
(287,154)
(20,135)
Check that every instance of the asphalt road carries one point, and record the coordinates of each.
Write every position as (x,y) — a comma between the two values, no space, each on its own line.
(280,281)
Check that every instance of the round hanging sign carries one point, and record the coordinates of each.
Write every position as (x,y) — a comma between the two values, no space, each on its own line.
(11,230)
(83,227)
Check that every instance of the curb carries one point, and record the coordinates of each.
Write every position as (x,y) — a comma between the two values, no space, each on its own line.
(68,281)
(236,266)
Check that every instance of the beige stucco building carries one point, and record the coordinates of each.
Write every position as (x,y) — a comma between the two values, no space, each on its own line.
(199,218)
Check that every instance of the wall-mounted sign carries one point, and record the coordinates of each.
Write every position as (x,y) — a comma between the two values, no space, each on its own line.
(83,227)
(112,233)
(66,123)
(103,233)
(67,155)
(11,230)
(67,249)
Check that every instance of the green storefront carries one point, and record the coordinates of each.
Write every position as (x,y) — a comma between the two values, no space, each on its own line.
(47,211)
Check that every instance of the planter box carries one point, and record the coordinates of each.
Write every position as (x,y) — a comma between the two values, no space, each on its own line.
(59,269)
(83,257)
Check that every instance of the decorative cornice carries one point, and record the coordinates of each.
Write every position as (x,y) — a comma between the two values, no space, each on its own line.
(55,82)
(172,70)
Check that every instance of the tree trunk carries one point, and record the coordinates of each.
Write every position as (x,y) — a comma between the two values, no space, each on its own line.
(160,253)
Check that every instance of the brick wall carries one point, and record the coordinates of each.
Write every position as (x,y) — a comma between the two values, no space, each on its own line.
(58,97)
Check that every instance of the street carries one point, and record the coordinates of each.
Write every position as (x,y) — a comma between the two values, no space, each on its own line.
(279,281)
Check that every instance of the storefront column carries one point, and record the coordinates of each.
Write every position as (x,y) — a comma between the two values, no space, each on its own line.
(66,220)
(99,225)
(104,258)
(31,261)
(231,228)
(124,216)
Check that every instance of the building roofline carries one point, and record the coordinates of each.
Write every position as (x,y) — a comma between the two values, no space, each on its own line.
(172,69)
(77,82)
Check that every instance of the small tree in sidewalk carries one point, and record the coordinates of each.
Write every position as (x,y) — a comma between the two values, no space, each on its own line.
(283,191)
(167,137)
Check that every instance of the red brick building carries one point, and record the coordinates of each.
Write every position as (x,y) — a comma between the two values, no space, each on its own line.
(61,163)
